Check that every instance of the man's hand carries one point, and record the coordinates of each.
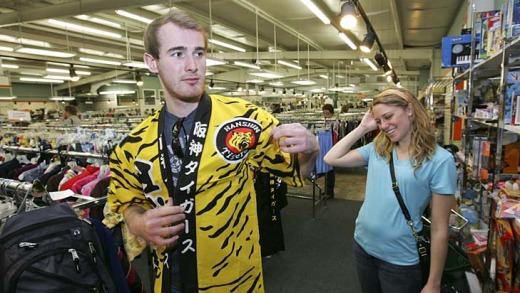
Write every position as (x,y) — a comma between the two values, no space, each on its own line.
(160,226)
(294,138)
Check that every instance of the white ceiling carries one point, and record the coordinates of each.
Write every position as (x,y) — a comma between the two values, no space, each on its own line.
(409,31)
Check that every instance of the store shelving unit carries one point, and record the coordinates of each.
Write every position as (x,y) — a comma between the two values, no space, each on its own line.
(494,69)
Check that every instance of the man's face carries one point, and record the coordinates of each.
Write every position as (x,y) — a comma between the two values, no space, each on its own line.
(327,114)
(181,65)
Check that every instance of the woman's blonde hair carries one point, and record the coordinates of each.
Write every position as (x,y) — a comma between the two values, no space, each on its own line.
(422,141)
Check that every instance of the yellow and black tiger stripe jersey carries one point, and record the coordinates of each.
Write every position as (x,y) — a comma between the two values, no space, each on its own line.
(220,247)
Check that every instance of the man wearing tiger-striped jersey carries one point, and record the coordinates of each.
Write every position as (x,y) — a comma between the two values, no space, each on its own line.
(181,179)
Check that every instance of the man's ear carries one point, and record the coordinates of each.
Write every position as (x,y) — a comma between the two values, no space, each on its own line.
(150,62)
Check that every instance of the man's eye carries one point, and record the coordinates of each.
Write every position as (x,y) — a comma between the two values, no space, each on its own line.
(177,54)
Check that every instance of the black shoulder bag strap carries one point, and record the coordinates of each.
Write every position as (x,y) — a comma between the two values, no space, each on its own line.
(395,188)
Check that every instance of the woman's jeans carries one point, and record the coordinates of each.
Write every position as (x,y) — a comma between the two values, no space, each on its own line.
(377,276)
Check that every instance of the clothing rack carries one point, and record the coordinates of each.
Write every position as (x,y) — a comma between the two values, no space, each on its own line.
(17,149)
(27,187)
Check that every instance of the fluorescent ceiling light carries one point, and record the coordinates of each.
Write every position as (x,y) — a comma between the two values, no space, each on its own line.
(124,81)
(210,61)
(41,80)
(100,61)
(312,7)
(245,64)
(59,70)
(67,65)
(62,98)
(12,66)
(98,20)
(58,77)
(8,98)
(133,16)
(287,63)
(101,53)
(303,81)
(116,92)
(347,40)
(276,83)
(266,74)
(324,76)
(254,81)
(208,73)
(135,64)
(227,45)
(6,49)
(43,52)
(370,63)
(23,41)
(83,29)
(340,76)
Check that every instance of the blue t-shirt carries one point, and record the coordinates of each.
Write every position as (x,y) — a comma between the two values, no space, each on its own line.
(381,228)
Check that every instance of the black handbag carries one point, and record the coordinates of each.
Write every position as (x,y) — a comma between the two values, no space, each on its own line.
(423,243)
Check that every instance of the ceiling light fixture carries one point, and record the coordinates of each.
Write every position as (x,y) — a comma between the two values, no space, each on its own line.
(100,61)
(266,74)
(7,49)
(135,64)
(347,40)
(62,98)
(128,81)
(370,63)
(211,61)
(31,79)
(98,20)
(314,9)
(42,52)
(8,98)
(72,73)
(10,66)
(347,16)
(116,92)
(133,16)
(302,81)
(83,29)
(245,64)
(227,45)
(211,83)
(383,63)
(58,70)
(292,65)
(368,41)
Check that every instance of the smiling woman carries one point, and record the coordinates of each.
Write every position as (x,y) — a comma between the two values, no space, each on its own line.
(425,173)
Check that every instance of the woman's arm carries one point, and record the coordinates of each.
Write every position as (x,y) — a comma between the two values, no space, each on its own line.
(441,209)
(341,155)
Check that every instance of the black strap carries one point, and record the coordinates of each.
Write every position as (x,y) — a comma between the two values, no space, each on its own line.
(395,188)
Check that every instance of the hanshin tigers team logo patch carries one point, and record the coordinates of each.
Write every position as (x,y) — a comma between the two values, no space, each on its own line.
(236,137)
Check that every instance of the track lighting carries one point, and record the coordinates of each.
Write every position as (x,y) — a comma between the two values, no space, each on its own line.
(72,73)
(211,83)
(383,63)
(138,79)
(347,16)
(294,91)
(368,41)
(284,91)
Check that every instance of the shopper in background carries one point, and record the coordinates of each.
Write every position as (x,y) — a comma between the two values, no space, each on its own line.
(70,116)
(331,124)
(385,251)
(181,178)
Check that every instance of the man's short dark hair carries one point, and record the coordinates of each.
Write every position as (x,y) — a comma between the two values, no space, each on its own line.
(71,110)
(328,107)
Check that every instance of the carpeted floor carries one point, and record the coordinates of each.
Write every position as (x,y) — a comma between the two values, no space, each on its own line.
(318,251)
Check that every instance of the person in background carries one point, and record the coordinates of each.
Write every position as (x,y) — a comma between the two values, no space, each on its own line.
(181,179)
(384,248)
(70,116)
(332,124)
